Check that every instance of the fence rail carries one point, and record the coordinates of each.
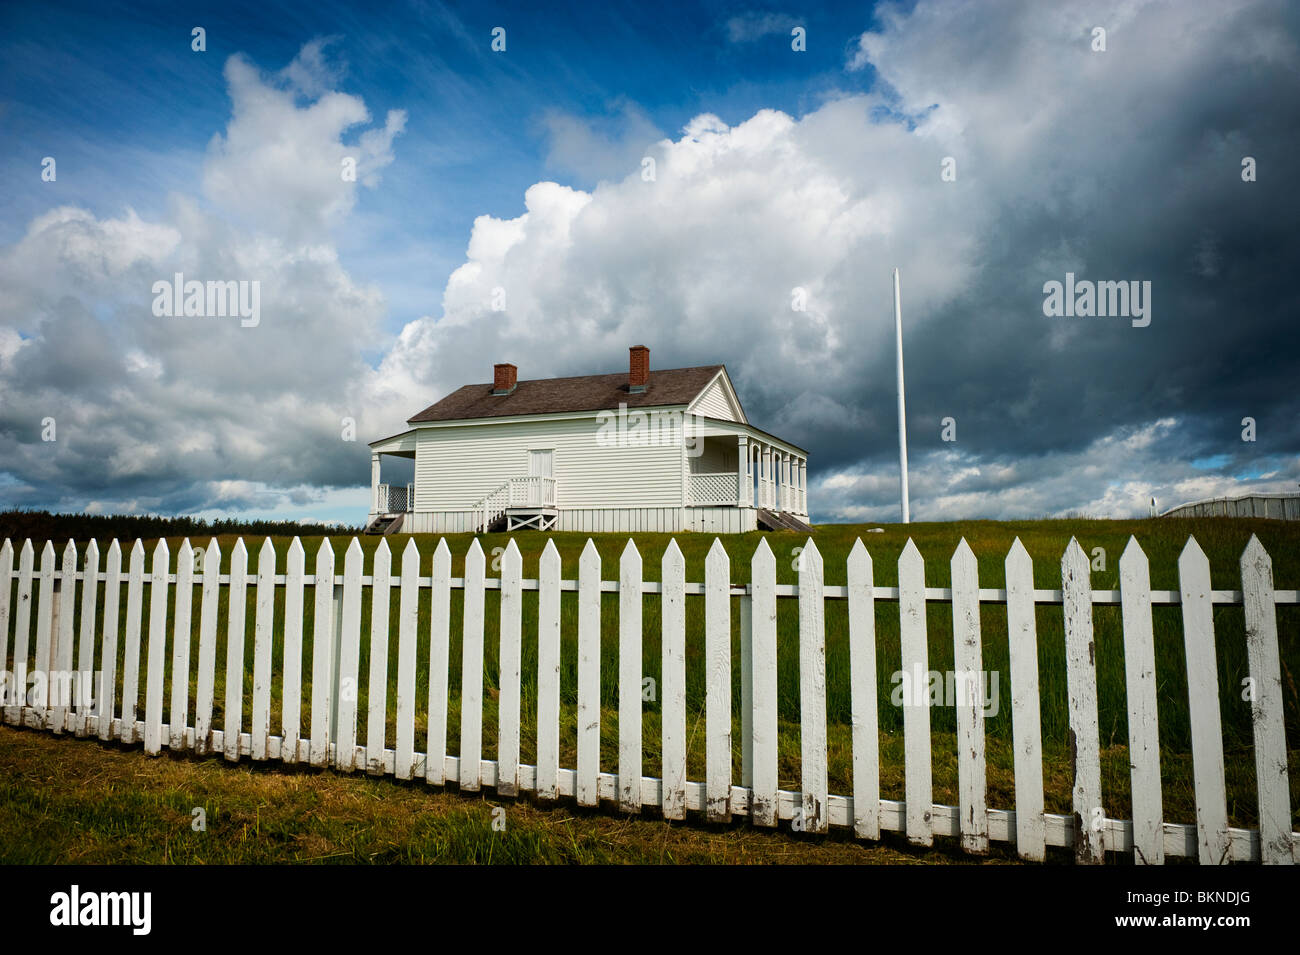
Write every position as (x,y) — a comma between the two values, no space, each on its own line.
(59,588)
(1284,507)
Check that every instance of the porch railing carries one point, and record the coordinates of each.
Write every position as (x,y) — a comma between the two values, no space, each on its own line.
(395,498)
(515,492)
(532,492)
(714,488)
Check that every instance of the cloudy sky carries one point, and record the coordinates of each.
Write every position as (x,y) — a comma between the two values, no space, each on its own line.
(983,148)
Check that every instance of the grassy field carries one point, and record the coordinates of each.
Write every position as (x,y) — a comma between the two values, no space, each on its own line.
(64,800)
(1222,540)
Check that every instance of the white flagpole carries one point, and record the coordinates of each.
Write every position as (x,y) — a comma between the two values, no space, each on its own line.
(902,409)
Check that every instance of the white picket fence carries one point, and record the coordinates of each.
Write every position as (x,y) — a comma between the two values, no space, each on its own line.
(337,637)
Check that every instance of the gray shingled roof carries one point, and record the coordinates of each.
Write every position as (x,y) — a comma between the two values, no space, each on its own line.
(669,386)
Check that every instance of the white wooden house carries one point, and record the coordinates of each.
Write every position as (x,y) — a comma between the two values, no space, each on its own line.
(665,451)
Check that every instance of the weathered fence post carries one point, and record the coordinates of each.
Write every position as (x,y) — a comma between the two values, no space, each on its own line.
(509,670)
(812,690)
(1143,717)
(1026,719)
(918,790)
(1203,703)
(717,683)
(1081,683)
(629,679)
(588,768)
(764,808)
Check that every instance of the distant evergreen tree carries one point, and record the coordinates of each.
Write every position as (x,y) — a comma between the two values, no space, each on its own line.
(42,525)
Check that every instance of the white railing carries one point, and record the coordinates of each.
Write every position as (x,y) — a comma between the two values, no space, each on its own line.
(337,635)
(395,499)
(515,492)
(714,488)
(492,506)
(532,492)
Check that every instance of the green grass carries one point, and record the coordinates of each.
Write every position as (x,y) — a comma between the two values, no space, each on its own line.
(64,800)
(1222,540)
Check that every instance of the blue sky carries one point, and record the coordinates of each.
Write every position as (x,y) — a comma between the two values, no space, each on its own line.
(128,107)
(779,170)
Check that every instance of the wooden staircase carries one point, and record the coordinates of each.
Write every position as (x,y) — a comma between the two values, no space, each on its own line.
(385,525)
(780,521)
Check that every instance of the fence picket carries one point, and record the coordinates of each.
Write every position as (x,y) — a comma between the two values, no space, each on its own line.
(377,694)
(862,686)
(291,685)
(408,621)
(969,678)
(439,647)
(509,670)
(1081,684)
(745,602)
(263,638)
(234,714)
(717,683)
(588,769)
(38,714)
(1203,704)
(1275,842)
(209,609)
(62,633)
(1143,717)
(22,632)
(61,659)
(87,692)
(471,673)
(323,699)
(548,673)
(918,789)
(349,657)
(672,618)
(131,651)
(764,805)
(178,719)
(629,679)
(812,689)
(1026,711)
(6,588)
(155,674)
(108,646)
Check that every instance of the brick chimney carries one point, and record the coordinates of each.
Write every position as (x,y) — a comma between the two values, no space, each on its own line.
(638,371)
(504,377)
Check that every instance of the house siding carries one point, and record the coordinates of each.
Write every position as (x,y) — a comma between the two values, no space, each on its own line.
(713,402)
(455,467)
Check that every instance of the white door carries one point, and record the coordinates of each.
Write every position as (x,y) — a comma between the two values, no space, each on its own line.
(539,466)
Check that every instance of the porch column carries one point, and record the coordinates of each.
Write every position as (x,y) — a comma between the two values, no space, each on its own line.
(781,476)
(792,486)
(803,486)
(374,483)
(773,477)
(787,463)
(742,470)
(767,475)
